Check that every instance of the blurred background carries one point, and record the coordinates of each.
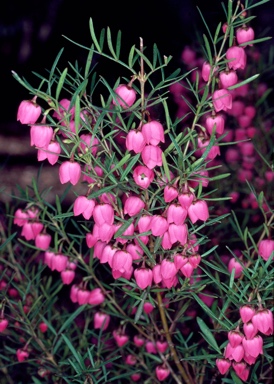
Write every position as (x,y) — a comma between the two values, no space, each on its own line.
(32,33)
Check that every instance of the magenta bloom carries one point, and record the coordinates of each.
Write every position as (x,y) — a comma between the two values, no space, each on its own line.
(69,171)
(126,96)
(153,132)
(237,57)
(222,100)
(223,365)
(121,263)
(215,120)
(228,78)
(103,213)
(152,156)
(135,141)
(101,320)
(133,205)
(244,35)
(28,111)
(266,248)
(162,372)
(83,205)
(143,176)
(40,135)
(143,277)
(50,152)
(170,193)
(198,210)
(158,225)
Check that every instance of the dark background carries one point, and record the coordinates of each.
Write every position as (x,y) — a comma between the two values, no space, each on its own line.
(31,35)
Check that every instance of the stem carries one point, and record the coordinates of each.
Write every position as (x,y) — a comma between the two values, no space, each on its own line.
(187,379)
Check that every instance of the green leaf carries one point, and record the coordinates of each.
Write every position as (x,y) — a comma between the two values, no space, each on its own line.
(165,165)
(130,56)
(132,162)
(75,353)
(208,334)
(77,114)
(7,241)
(110,46)
(93,36)
(89,61)
(67,323)
(208,51)
(61,83)
(244,82)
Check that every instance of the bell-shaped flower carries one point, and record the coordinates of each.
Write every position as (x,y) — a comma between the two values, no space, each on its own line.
(253,347)
(143,277)
(235,337)
(263,320)
(178,233)
(162,372)
(158,225)
(133,205)
(69,171)
(42,240)
(266,248)
(143,176)
(101,320)
(176,214)
(28,111)
(103,213)
(244,35)
(246,313)
(51,152)
(168,269)
(135,141)
(40,135)
(250,330)
(170,193)
(222,100)
(135,250)
(236,353)
(228,78)
(126,96)
(216,122)
(166,242)
(223,365)
(83,205)
(237,57)
(121,263)
(88,143)
(120,338)
(198,210)
(241,369)
(152,156)
(153,132)
(96,297)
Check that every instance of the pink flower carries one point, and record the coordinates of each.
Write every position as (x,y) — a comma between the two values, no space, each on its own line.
(246,313)
(88,143)
(96,297)
(50,152)
(135,141)
(28,111)
(152,156)
(143,176)
(101,320)
(228,78)
(178,233)
(3,324)
(103,213)
(250,330)
(206,69)
(83,205)
(162,372)
(126,96)
(237,57)
(198,210)
(120,338)
(158,225)
(244,35)
(236,353)
(40,135)
(223,365)
(133,205)
(176,214)
(168,269)
(253,347)
(67,276)
(241,370)
(222,100)
(216,121)
(42,240)
(238,267)
(235,338)
(143,277)
(170,193)
(121,263)
(153,132)
(22,355)
(263,320)
(69,171)
(266,248)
